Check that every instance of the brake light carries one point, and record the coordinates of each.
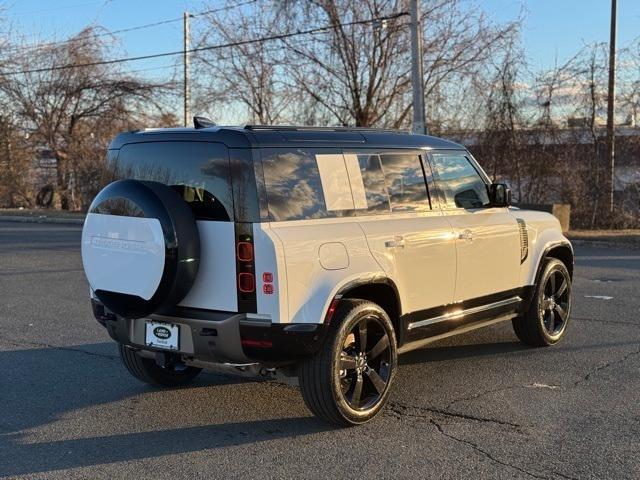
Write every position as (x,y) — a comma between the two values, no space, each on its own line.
(246,282)
(245,251)
(246,269)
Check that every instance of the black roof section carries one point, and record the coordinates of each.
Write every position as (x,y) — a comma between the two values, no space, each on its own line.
(253,136)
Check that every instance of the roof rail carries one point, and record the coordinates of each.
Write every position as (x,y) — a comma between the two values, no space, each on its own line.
(323,129)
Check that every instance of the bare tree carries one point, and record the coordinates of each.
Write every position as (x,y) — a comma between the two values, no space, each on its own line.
(69,108)
(249,74)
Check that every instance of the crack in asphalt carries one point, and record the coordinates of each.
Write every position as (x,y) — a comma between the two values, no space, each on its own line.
(604,366)
(403,410)
(484,452)
(55,347)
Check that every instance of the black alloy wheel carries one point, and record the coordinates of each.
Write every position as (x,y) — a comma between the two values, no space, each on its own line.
(364,367)
(554,304)
(349,380)
(545,322)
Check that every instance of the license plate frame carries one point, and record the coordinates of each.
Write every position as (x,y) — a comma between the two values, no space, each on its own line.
(162,335)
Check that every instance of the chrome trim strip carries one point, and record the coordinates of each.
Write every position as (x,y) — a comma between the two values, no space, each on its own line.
(462,313)
(407,347)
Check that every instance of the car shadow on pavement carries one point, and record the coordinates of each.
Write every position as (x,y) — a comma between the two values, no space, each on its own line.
(453,352)
(20,459)
(40,386)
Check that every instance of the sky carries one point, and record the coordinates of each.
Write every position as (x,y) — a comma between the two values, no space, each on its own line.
(552,28)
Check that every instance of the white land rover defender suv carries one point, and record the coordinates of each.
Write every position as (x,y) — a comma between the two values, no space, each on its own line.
(323,253)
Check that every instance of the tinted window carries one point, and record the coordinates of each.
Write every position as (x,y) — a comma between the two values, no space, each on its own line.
(294,188)
(459,181)
(375,189)
(198,171)
(405,182)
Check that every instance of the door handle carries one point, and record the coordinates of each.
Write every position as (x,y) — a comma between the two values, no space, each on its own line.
(397,242)
(466,235)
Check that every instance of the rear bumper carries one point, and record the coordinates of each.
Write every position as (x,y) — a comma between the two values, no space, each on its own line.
(221,337)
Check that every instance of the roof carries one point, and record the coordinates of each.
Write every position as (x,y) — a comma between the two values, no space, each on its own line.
(253,136)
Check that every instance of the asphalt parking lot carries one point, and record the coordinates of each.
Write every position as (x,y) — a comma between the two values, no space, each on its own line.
(476,406)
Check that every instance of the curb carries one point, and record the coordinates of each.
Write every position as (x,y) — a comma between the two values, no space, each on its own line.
(605,243)
(43,219)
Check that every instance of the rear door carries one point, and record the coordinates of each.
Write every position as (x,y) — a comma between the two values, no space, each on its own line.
(200,173)
(487,238)
(412,242)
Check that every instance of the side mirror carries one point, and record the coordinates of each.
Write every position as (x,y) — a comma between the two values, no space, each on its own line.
(500,195)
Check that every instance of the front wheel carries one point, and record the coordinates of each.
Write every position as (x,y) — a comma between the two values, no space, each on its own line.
(348,381)
(148,371)
(546,320)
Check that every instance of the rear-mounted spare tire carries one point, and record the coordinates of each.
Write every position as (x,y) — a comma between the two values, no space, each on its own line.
(140,247)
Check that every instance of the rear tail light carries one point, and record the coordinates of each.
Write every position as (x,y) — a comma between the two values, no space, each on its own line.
(267,288)
(246,282)
(245,268)
(245,252)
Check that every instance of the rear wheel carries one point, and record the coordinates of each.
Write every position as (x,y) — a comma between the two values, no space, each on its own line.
(546,320)
(348,381)
(148,371)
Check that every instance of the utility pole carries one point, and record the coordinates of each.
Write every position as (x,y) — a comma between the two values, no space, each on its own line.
(419,125)
(611,103)
(185,58)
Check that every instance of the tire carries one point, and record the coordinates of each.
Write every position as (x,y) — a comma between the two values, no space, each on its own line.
(546,320)
(148,371)
(331,392)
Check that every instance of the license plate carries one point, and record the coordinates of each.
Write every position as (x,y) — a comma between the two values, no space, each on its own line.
(162,335)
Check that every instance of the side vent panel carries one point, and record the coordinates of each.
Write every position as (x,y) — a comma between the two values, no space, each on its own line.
(524,240)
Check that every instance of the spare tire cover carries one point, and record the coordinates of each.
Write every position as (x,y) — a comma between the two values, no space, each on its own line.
(140,247)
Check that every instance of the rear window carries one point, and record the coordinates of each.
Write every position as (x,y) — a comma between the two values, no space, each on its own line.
(198,171)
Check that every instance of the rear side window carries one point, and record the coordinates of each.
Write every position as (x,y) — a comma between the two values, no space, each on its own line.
(295,189)
(198,171)
(459,181)
(369,183)
(405,182)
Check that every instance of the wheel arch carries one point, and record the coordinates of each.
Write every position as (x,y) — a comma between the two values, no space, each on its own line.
(379,290)
(562,251)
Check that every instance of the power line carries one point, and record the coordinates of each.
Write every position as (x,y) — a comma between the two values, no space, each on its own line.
(134,28)
(281,36)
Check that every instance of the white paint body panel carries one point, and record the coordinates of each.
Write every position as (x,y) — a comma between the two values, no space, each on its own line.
(488,260)
(424,269)
(215,284)
(270,258)
(311,287)
(543,230)
(123,254)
